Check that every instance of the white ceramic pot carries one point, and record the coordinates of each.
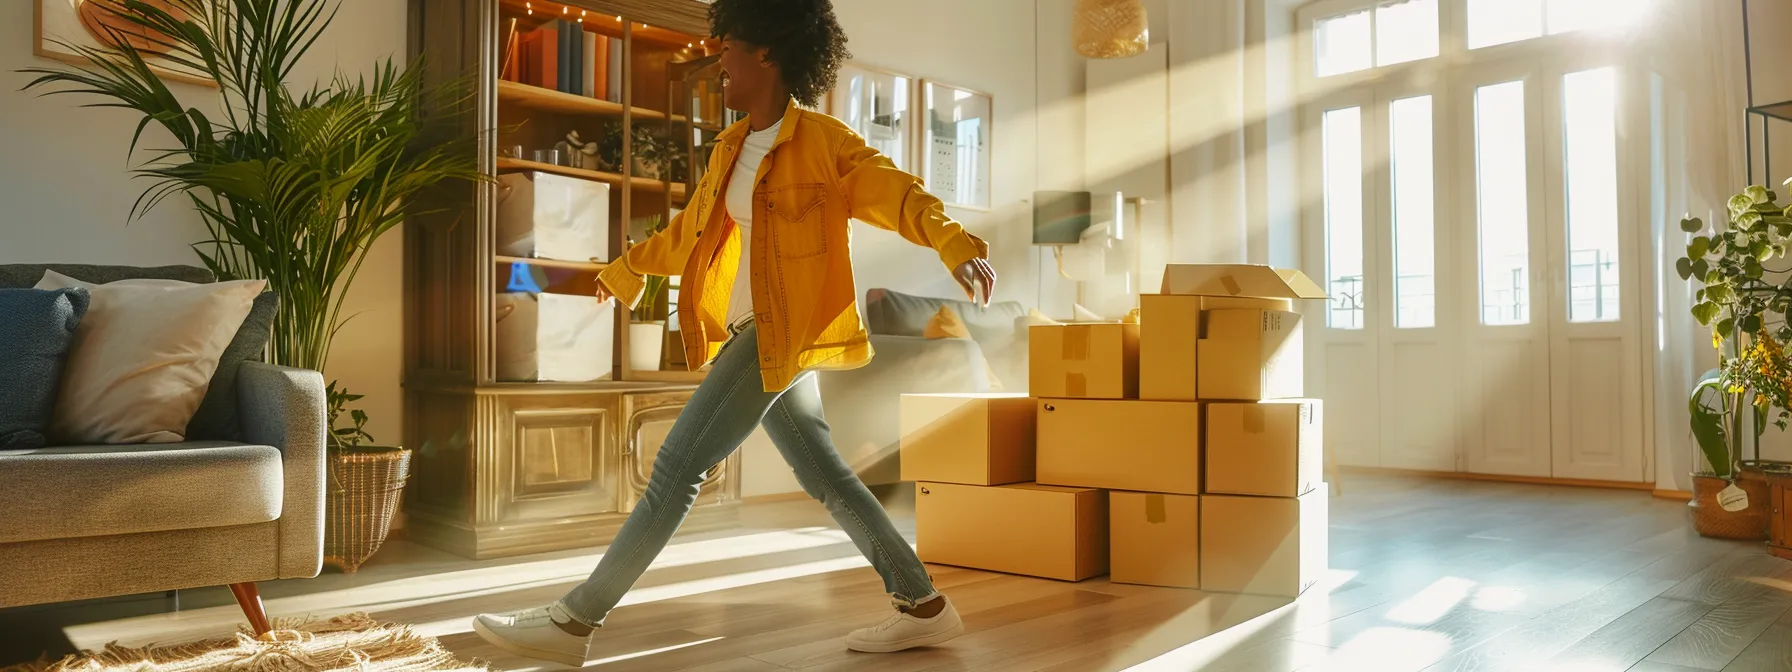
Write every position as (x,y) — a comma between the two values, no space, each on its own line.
(646,340)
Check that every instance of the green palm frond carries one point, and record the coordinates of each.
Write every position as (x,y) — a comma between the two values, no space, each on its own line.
(294,185)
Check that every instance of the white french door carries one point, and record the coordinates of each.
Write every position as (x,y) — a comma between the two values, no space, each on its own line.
(1481,265)
(1506,400)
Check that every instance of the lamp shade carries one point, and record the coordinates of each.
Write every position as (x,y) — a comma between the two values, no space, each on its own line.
(1110,28)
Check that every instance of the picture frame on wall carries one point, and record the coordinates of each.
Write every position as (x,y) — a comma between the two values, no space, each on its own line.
(60,26)
(956,144)
(880,106)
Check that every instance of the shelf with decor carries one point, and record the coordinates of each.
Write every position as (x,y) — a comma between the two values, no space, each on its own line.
(535,429)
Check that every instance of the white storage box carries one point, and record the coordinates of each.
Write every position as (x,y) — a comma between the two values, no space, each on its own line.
(548,216)
(554,337)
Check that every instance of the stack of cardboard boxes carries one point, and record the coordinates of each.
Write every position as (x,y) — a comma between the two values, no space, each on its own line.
(1109,465)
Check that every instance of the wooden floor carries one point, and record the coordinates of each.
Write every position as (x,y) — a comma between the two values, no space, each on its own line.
(1426,574)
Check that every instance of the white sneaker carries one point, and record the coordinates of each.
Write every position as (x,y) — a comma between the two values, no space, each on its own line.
(903,631)
(533,633)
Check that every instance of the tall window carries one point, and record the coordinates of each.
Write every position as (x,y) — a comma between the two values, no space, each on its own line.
(1590,157)
(1503,204)
(1492,22)
(1414,211)
(1344,216)
(1397,31)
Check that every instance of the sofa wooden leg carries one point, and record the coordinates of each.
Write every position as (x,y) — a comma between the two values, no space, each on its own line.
(249,599)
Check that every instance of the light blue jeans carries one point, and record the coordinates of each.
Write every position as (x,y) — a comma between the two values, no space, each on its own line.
(723,411)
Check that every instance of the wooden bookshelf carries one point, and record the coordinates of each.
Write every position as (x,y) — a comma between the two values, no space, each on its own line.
(528,97)
(587,267)
(506,165)
(506,467)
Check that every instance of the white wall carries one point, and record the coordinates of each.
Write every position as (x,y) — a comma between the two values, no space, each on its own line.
(68,192)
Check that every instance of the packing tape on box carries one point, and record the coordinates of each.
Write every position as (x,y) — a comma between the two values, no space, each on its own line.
(1231,285)
(1076,349)
(1076,343)
(1154,509)
(1253,419)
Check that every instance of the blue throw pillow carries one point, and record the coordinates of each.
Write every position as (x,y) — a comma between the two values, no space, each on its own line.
(36,329)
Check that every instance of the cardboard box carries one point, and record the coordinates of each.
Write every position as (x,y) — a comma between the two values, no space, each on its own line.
(1247,280)
(552,216)
(1170,325)
(1263,545)
(1084,361)
(973,439)
(1267,448)
(1154,539)
(1148,446)
(1250,355)
(1026,528)
(553,337)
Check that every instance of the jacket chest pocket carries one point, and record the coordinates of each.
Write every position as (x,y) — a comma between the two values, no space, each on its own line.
(798,220)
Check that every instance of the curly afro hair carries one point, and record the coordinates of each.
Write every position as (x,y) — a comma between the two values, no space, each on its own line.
(801,36)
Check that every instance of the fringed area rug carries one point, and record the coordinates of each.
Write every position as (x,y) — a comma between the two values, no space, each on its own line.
(352,642)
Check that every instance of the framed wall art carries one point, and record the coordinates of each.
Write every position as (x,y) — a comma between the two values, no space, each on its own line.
(956,144)
(96,24)
(879,105)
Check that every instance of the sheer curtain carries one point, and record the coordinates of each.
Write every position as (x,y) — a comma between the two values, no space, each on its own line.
(1697,98)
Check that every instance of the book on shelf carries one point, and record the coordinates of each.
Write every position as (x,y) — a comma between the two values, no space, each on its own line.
(600,60)
(614,92)
(510,58)
(588,64)
(543,68)
(568,68)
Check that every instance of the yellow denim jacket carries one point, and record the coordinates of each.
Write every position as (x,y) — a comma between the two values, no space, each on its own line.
(818,175)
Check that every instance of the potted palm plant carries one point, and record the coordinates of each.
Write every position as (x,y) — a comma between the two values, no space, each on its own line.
(294,184)
(1752,384)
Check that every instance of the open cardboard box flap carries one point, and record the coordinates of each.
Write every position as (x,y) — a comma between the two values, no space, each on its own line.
(1247,280)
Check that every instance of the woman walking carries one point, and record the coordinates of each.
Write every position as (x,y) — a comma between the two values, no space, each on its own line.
(768,298)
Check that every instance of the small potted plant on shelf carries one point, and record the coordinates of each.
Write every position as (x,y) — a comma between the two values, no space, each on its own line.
(648,156)
(647,324)
(1747,314)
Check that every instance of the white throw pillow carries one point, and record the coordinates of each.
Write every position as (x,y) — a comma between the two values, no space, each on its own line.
(143,356)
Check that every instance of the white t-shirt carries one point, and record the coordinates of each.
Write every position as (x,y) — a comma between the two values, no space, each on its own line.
(740,208)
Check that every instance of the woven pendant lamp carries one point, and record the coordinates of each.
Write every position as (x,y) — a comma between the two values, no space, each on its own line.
(1110,28)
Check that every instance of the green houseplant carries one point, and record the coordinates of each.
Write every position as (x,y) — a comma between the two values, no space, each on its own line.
(294,185)
(647,320)
(1746,310)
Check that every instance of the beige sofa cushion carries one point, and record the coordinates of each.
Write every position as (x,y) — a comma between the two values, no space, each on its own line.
(143,357)
(85,491)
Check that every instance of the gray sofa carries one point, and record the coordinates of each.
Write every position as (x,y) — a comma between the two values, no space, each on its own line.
(862,404)
(80,522)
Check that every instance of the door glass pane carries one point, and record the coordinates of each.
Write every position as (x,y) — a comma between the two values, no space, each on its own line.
(1409,130)
(1502,209)
(1344,216)
(1341,43)
(1407,31)
(1492,22)
(1567,16)
(1590,155)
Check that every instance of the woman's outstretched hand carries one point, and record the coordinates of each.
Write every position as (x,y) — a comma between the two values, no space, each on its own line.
(976,276)
(603,293)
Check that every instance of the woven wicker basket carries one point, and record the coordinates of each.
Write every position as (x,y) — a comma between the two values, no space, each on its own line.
(1710,520)
(366,486)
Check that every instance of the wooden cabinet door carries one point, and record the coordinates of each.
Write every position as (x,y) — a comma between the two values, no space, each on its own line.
(646,419)
(556,457)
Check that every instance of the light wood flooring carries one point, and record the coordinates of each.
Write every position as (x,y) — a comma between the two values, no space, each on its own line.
(1426,575)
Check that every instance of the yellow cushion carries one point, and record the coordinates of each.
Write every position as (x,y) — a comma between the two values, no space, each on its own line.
(947,324)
